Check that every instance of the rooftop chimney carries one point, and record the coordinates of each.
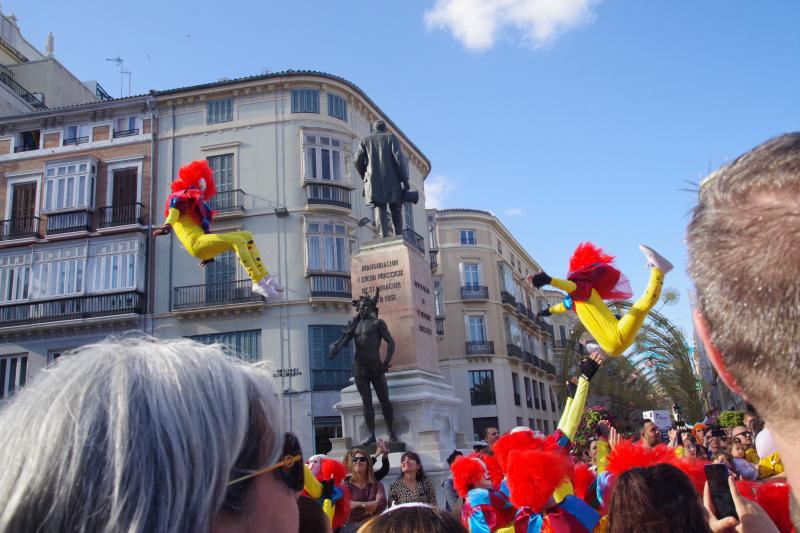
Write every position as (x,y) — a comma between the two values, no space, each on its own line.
(50,44)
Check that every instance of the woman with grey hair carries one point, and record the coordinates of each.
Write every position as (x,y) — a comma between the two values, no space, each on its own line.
(146,435)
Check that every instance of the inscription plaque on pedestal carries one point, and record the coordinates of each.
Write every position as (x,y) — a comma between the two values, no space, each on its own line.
(406,299)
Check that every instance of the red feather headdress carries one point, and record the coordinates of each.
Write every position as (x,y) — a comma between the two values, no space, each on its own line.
(533,474)
(191,174)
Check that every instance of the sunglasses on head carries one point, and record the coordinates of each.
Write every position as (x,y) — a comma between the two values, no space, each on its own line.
(289,469)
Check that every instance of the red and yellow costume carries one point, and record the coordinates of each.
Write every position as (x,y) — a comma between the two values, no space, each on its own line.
(592,278)
(324,482)
(188,213)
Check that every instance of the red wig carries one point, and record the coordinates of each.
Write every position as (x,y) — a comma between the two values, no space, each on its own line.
(191,174)
(333,469)
(626,455)
(533,474)
(587,254)
(513,441)
(582,479)
(773,496)
(467,473)
(495,472)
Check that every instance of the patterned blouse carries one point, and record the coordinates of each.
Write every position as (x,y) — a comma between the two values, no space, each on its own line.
(400,493)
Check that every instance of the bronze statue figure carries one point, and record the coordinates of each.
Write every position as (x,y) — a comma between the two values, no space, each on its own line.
(367,330)
(384,170)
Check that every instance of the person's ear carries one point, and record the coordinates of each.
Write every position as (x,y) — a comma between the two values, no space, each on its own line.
(714,355)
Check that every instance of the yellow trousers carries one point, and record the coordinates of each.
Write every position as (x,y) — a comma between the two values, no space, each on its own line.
(205,246)
(614,336)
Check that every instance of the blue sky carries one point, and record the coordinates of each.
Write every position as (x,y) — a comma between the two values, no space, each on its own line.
(571,120)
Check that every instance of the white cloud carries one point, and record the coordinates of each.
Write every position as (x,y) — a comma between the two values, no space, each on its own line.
(437,189)
(514,212)
(478,23)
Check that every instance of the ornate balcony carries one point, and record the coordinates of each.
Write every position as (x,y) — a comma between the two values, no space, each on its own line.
(508,298)
(440,326)
(514,351)
(121,215)
(126,133)
(480,347)
(71,308)
(325,194)
(414,239)
(75,141)
(331,286)
(79,220)
(434,255)
(214,295)
(25,148)
(228,202)
(20,228)
(474,292)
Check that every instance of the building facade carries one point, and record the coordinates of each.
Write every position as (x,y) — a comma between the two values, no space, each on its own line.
(73,235)
(497,355)
(282,147)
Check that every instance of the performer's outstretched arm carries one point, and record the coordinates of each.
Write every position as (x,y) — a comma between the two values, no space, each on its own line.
(572,389)
(589,367)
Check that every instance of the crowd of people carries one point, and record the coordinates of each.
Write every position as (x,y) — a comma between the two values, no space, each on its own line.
(146,435)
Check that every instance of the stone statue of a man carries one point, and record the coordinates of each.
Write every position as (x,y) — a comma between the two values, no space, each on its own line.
(384,171)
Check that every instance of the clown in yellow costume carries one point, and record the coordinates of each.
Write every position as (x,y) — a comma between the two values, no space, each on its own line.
(190,216)
(592,279)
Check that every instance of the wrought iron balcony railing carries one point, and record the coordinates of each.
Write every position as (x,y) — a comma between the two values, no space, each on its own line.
(79,220)
(126,133)
(521,309)
(474,292)
(434,255)
(71,308)
(121,215)
(514,351)
(25,148)
(507,298)
(20,228)
(440,326)
(324,194)
(7,78)
(214,294)
(331,286)
(228,201)
(75,140)
(480,347)
(414,239)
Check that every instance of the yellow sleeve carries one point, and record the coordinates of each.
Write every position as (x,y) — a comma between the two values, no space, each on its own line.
(174,215)
(558,308)
(752,456)
(565,412)
(311,484)
(563,284)
(575,412)
(603,449)
(328,508)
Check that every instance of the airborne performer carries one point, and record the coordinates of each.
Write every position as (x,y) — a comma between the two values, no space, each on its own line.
(592,278)
(190,216)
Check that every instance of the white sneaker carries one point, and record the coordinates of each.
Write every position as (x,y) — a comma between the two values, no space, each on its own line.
(654,259)
(270,287)
(258,289)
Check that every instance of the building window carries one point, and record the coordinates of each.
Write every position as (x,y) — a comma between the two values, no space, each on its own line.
(76,134)
(499,247)
(13,372)
(519,421)
(27,140)
(219,111)
(515,385)
(528,399)
(222,166)
(546,427)
(438,297)
(472,274)
(305,101)
(543,396)
(323,158)
(552,401)
(480,425)
(126,126)
(408,215)
(481,387)
(115,265)
(337,107)
(327,373)
(245,345)
(513,331)
(327,248)
(468,237)
(476,330)
(58,272)
(15,274)
(54,355)
(68,186)
(325,429)
(562,331)
(506,278)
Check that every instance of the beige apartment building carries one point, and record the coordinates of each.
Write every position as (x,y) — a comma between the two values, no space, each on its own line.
(282,148)
(497,355)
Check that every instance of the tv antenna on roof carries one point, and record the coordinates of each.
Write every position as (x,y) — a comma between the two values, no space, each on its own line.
(122,73)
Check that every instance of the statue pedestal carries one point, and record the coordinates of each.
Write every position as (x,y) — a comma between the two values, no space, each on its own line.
(424,403)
